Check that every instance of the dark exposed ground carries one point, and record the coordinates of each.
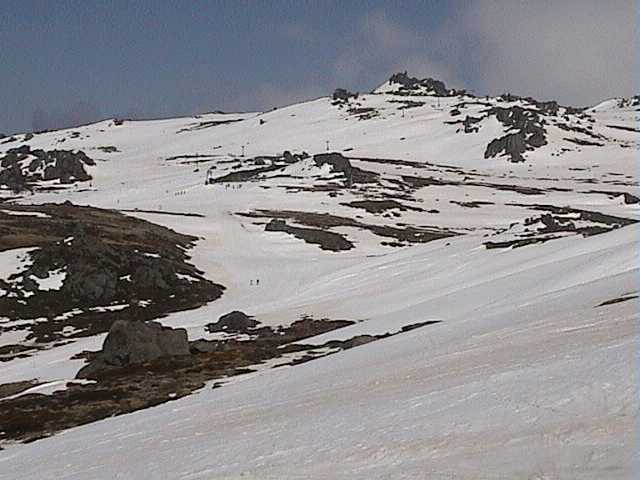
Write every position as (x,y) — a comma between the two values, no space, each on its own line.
(33,416)
(23,169)
(559,221)
(325,240)
(381,206)
(108,258)
(325,221)
(13,388)
(613,301)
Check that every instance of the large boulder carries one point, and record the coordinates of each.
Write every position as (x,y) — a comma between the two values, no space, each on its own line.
(343,95)
(338,162)
(134,343)
(233,322)
(415,85)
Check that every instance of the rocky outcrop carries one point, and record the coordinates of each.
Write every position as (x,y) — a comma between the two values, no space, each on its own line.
(512,145)
(99,273)
(340,163)
(527,133)
(343,95)
(13,178)
(22,166)
(425,86)
(98,266)
(233,322)
(131,343)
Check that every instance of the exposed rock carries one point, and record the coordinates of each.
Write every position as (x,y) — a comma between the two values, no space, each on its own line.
(363,113)
(288,157)
(338,162)
(134,343)
(512,144)
(470,124)
(13,178)
(528,131)
(343,95)
(64,165)
(98,259)
(429,86)
(233,322)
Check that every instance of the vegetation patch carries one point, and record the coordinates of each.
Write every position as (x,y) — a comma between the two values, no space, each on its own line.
(117,391)
(88,267)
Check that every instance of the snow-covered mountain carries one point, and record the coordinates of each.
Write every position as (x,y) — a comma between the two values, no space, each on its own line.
(480,254)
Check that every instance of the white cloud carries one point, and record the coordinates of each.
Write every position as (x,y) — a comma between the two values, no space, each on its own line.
(382,46)
(579,51)
(575,51)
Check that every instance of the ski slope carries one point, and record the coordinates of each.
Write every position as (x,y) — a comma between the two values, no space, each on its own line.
(528,375)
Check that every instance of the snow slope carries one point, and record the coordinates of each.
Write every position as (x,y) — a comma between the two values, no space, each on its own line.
(526,376)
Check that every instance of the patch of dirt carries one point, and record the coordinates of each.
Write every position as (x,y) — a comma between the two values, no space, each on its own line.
(324,221)
(112,267)
(208,124)
(246,175)
(109,149)
(558,220)
(31,417)
(473,204)
(627,197)
(627,129)
(584,143)
(331,241)
(613,301)
(164,212)
(381,206)
(13,388)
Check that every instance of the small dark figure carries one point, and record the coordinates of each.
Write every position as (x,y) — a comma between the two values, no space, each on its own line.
(257,281)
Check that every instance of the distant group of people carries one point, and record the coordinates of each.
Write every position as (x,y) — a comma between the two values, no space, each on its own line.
(255,282)
(233,186)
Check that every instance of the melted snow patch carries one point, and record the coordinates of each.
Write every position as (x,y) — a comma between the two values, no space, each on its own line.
(54,281)
(189,278)
(13,337)
(110,308)
(14,261)
(51,387)
(18,213)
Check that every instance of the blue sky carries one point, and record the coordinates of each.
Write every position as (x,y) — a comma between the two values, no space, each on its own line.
(68,62)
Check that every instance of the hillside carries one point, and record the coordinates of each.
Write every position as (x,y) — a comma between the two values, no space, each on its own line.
(434,283)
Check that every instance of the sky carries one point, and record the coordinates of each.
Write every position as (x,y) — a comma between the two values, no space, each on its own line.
(66,63)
